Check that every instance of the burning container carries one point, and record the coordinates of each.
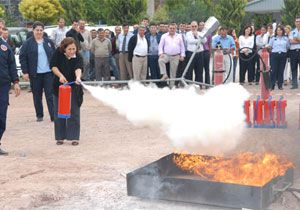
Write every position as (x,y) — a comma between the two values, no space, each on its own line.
(178,177)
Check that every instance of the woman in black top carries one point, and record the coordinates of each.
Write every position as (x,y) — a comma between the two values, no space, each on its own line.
(67,65)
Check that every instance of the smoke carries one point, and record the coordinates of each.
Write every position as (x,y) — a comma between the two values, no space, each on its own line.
(205,124)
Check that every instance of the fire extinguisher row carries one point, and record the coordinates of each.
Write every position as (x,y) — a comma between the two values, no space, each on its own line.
(266,113)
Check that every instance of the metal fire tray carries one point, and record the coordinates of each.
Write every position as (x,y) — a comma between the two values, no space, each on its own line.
(162,179)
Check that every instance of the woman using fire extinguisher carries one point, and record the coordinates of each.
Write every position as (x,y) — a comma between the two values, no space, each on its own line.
(67,66)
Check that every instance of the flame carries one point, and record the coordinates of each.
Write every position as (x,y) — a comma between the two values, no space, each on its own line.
(245,168)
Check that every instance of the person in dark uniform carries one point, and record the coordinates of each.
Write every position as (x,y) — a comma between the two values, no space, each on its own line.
(279,45)
(67,66)
(8,75)
(294,39)
(35,55)
(75,34)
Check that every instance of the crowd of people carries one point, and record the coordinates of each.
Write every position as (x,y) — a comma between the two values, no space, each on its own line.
(150,51)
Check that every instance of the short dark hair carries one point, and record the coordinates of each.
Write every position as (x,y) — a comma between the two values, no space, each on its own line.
(60,18)
(74,21)
(4,29)
(282,28)
(66,42)
(100,30)
(270,25)
(125,24)
(38,23)
(297,17)
(223,28)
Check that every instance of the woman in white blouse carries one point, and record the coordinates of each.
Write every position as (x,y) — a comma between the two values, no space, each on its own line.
(246,41)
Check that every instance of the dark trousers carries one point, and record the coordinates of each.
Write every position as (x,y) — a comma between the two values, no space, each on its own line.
(246,66)
(257,69)
(278,64)
(206,62)
(295,62)
(196,66)
(67,128)
(4,94)
(40,83)
(153,66)
(181,68)
(234,59)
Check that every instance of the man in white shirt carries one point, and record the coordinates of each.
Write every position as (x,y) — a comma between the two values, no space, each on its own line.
(137,54)
(192,40)
(59,33)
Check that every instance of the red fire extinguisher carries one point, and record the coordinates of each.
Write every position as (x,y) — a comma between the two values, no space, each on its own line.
(280,113)
(258,113)
(269,106)
(247,113)
(264,73)
(64,101)
(218,67)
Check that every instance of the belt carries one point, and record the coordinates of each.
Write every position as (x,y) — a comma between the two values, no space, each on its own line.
(140,56)
(174,55)
(279,53)
(295,50)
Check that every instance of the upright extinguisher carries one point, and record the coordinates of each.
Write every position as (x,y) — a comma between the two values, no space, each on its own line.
(64,100)
(218,67)
(264,73)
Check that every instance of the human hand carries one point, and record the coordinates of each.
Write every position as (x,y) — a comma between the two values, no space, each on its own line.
(181,58)
(78,80)
(62,79)
(17,89)
(25,77)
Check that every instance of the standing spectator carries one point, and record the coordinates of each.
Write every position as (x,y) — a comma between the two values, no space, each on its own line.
(279,45)
(206,53)
(256,61)
(226,43)
(137,54)
(112,61)
(101,48)
(67,65)
(261,42)
(85,48)
(75,33)
(92,57)
(7,38)
(192,39)
(153,38)
(235,53)
(161,29)
(295,52)
(287,71)
(125,65)
(270,31)
(8,75)
(182,64)
(171,49)
(115,47)
(35,56)
(29,27)
(246,42)
(188,27)
(59,33)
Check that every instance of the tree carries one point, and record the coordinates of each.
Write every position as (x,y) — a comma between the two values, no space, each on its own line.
(46,11)
(2,10)
(262,19)
(231,12)
(125,11)
(290,11)
(75,9)
(161,14)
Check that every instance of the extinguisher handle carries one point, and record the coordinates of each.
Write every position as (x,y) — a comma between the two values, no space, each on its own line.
(69,83)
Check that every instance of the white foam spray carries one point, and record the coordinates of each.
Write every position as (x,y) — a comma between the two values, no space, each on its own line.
(208,124)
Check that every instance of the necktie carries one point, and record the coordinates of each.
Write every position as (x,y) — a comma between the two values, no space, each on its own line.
(124,44)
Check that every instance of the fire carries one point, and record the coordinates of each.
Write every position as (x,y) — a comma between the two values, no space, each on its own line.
(245,168)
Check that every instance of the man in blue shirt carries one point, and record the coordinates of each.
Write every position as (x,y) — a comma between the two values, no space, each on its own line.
(295,52)
(225,42)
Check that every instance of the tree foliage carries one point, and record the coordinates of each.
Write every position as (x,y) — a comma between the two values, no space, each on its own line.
(161,15)
(290,11)
(124,11)
(46,11)
(262,19)
(231,12)
(2,10)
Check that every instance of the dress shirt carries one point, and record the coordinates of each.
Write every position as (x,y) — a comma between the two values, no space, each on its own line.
(295,34)
(226,43)
(171,45)
(58,34)
(121,38)
(192,42)
(261,40)
(246,42)
(279,44)
(153,49)
(141,47)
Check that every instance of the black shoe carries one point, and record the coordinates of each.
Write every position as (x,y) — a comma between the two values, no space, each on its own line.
(39,119)
(280,88)
(2,152)
(294,87)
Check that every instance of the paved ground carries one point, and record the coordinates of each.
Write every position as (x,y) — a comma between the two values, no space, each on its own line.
(41,175)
